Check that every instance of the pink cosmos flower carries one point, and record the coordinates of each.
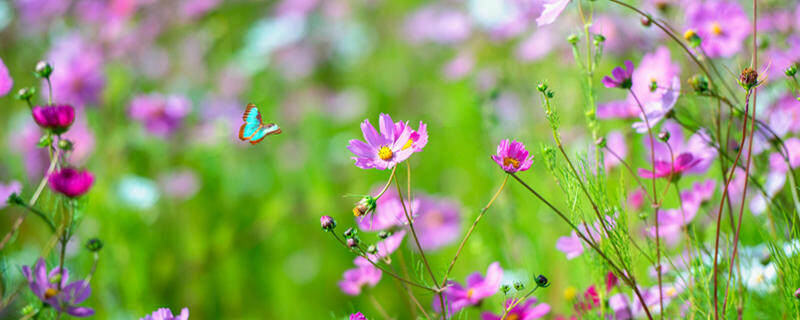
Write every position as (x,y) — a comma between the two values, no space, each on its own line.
(70,182)
(571,246)
(654,75)
(6,83)
(512,156)
(358,316)
(552,9)
(385,150)
(784,115)
(722,26)
(620,306)
(528,310)
(365,273)
(438,222)
(620,78)
(636,199)
(161,115)
(693,156)
(477,288)
(56,118)
(6,190)
(589,301)
(166,314)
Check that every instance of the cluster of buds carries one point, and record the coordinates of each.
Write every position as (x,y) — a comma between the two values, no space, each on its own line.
(364,206)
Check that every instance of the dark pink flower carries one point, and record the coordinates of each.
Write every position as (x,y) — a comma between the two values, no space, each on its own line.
(70,182)
(692,156)
(358,316)
(512,156)
(56,118)
(683,162)
(620,78)
(528,310)
(476,289)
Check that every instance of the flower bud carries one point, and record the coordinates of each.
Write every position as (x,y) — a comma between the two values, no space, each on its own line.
(65,144)
(327,223)
(542,87)
(349,232)
(15,199)
(45,141)
(505,288)
(94,244)
(372,249)
(748,78)
(572,39)
(383,234)
(791,70)
(43,69)
(28,310)
(542,281)
(352,242)
(601,142)
(797,293)
(663,136)
(598,39)
(518,286)
(25,93)
(365,205)
(699,83)
(646,21)
(691,36)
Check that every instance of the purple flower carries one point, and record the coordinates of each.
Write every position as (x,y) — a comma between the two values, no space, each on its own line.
(358,316)
(166,314)
(161,115)
(6,190)
(477,288)
(721,25)
(37,13)
(512,156)
(438,222)
(523,311)
(784,115)
(52,288)
(6,83)
(621,77)
(78,78)
(384,150)
(552,9)
(56,118)
(70,182)
(662,168)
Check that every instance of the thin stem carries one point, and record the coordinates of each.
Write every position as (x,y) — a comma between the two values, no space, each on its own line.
(518,301)
(50,90)
(469,232)
(388,183)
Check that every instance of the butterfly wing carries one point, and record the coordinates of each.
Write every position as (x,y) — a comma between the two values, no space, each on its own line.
(252,122)
(263,131)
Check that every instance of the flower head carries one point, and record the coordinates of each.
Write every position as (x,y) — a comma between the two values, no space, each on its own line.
(358,316)
(512,156)
(620,78)
(524,311)
(385,150)
(56,118)
(52,289)
(475,290)
(70,182)
(721,25)
(166,314)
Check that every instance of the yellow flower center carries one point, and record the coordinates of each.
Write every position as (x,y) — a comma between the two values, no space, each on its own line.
(512,316)
(716,28)
(671,292)
(569,293)
(689,34)
(408,144)
(50,292)
(511,161)
(385,153)
(470,292)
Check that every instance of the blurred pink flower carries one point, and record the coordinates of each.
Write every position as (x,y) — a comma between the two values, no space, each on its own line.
(161,115)
(78,77)
(6,83)
(6,189)
(438,222)
(460,66)
(693,156)
(721,24)
(528,310)
(552,9)
(82,139)
(437,24)
(475,290)
(388,213)
(615,141)
(180,184)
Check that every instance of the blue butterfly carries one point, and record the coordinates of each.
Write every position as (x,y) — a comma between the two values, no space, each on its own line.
(253,129)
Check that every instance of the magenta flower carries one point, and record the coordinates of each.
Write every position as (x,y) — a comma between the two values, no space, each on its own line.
(6,83)
(683,162)
(161,115)
(552,9)
(166,314)
(512,156)
(438,222)
(56,118)
(57,293)
(358,316)
(70,182)
(528,310)
(693,156)
(620,78)
(6,190)
(477,288)
(384,150)
(721,25)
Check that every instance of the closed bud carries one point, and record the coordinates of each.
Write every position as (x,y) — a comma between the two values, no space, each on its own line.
(542,87)
(518,286)
(646,21)
(15,199)
(691,36)
(599,38)
(45,141)
(542,281)
(65,144)
(748,78)
(572,39)
(327,223)
(601,142)
(791,70)
(699,83)
(25,93)
(365,205)
(663,136)
(352,242)
(372,249)
(349,232)
(383,234)
(43,69)
(94,244)
(550,94)
(506,288)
